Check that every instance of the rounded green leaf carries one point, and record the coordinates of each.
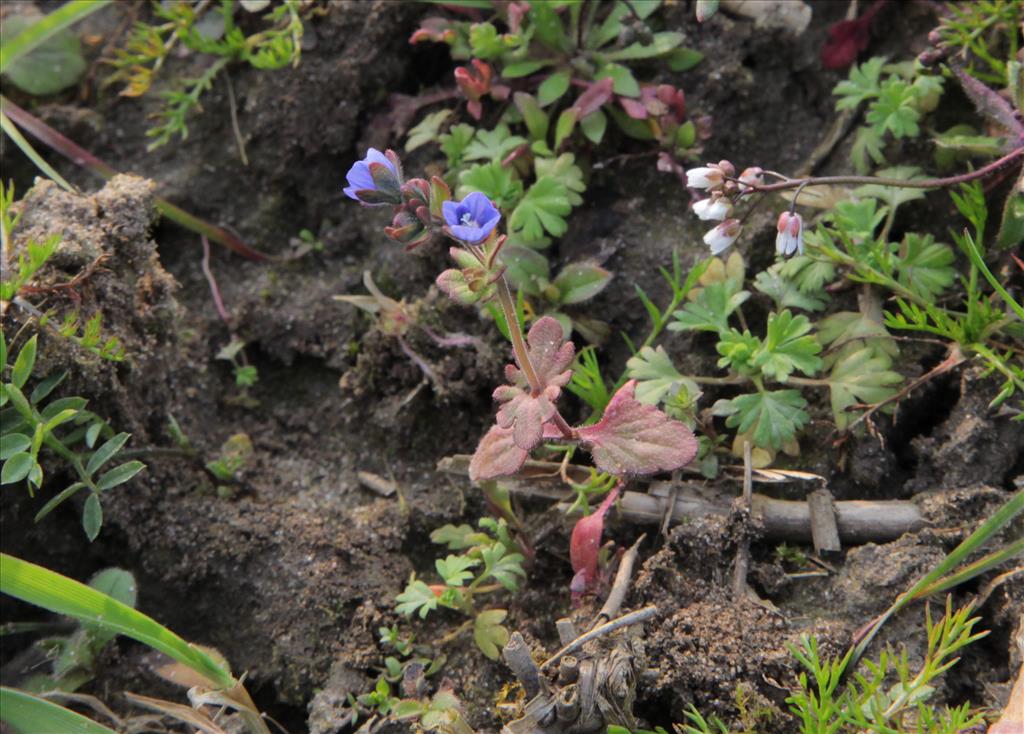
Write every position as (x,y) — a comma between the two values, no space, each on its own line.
(24,363)
(16,468)
(53,65)
(119,475)
(13,443)
(580,282)
(552,88)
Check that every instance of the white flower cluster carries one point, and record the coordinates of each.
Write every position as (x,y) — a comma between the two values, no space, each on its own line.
(724,189)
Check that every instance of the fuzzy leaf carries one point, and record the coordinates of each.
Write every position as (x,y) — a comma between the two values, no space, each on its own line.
(526,269)
(633,438)
(862,376)
(489,634)
(543,208)
(771,418)
(578,282)
(496,456)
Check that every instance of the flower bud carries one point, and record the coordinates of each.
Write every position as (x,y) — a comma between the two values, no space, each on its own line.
(710,177)
(375,180)
(722,236)
(715,208)
(790,238)
(753,176)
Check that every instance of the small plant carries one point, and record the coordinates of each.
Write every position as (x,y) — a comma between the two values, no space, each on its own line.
(211,30)
(33,421)
(487,555)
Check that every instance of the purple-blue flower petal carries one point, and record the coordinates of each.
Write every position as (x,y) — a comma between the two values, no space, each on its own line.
(450,212)
(359,176)
(479,206)
(375,156)
(468,233)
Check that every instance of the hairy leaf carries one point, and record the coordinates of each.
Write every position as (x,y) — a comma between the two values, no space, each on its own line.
(497,455)
(633,438)
(578,282)
(771,418)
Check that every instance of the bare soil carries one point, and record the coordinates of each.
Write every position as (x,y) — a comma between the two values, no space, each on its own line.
(291,573)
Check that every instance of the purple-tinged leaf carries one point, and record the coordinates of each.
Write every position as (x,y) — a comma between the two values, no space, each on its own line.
(594,98)
(550,355)
(496,456)
(633,438)
(586,543)
(990,104)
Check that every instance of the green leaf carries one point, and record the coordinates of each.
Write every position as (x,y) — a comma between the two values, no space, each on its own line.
(526,269)
(859,219)
(772,418)
(683,59)
(55,64)
(502,566)
(564,170)
(578,282)
(13,443)
(427,131)
(925,266)
(23,365)
(1011,227)
(862,376)
(458,537)
(867,144)
(624,83)
(524,68)
(808,273)
(454,570)
(535,118)
(487,43)
(119,475)
(594,126)
(56,500)
(785,292)
(103,454)
(655,374)
(498,182)
(455,141)
(543,208)
(552,88)
(47,386)
(17,467)
(92,516)
(489,634)
(547,26)
(894,196)
(417,598)
(493,145)
(712,307)
(862,85)
(788,346)
(61,595)
(663,43)
(894,110)
(565,125)
(853,328)
(33,715)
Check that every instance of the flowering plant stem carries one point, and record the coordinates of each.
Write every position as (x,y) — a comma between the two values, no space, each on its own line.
(925,183)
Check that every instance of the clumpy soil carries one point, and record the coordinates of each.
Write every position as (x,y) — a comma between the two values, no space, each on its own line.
(290,570)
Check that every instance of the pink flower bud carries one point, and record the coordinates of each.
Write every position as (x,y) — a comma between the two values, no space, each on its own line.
(753,176)
(722,236)
(791,234)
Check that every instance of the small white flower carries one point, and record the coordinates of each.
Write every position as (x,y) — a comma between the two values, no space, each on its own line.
(714,209)
(791,234)
(703,178)
(719,238)
(711,177)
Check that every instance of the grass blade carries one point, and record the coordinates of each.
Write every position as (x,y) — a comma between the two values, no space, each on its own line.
(65,16)
(61,595)
(30,714)
(26,147)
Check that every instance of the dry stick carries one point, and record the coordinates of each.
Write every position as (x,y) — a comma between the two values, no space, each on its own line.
(739,576)
(620,586)
(234,121)
(518,658)
(859,522)
(640,615)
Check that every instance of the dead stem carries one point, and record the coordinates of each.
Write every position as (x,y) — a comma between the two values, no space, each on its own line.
(641,615)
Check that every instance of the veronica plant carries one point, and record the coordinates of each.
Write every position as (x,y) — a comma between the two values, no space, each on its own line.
(630,438)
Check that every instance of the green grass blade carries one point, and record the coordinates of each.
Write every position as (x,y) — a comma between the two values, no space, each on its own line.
(59,594)
(66,15)
(30,714)
(30,152)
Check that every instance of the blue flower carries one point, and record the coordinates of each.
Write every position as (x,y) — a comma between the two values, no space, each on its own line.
(472,219)
(375,180)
